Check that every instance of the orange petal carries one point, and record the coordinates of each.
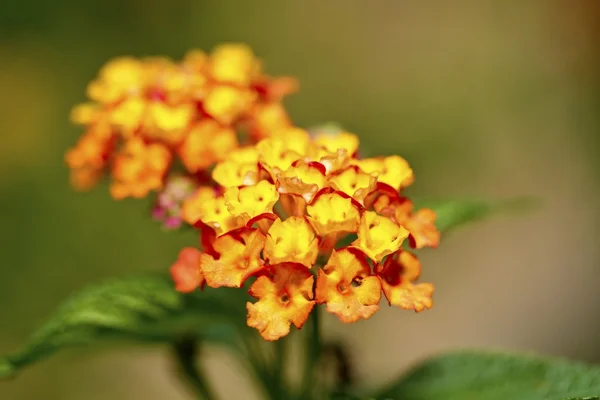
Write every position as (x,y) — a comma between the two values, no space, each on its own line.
(397,275)
(347,286)
(284,298)
(186,270)
(423,232)
(238,257)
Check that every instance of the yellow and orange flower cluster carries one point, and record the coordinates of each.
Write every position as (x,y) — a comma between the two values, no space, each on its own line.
(146,114)
(278,213)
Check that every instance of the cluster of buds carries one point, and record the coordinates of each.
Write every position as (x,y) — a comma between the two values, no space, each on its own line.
(295,215)
(150,116)
(309,223)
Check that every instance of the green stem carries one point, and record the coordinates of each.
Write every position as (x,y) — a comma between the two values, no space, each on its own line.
(185,351)
(279,367)
(314,347)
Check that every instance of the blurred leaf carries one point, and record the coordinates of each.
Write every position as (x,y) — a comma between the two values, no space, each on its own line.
(494,376)
(144,308)
(452,214)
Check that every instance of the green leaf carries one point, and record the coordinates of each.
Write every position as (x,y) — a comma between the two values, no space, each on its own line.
(495,376)
(451,214)
(143,308)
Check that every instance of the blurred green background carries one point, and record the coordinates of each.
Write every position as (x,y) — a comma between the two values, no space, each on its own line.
(484,98)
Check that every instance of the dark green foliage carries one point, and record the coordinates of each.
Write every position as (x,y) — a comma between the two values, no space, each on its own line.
(494,376)
(145,308)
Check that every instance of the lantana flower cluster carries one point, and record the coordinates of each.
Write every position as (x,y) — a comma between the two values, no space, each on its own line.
(148,116)
(306,222)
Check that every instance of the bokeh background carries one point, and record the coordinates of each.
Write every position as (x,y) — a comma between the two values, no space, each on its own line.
(484,98)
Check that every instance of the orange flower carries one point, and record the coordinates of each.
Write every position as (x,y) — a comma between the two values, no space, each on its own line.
(420,224)
(193,108)
(238,257)
(284,298)
(206,143)
(423,232)
(89,157)
(266,119)
(186,270)
(347,286)
(397,275)
(139,168)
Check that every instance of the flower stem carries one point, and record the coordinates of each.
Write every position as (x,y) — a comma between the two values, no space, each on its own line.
(184,351)
(314,347)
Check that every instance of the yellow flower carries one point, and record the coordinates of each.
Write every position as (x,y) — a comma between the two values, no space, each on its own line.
(128,115)
(333,142)
(292,240)
(278,153)
(211,210)
(347,286)
(119,77)
(284,298)
(330,212)
(168,123)
(86,113)
(226,104)
(353,182)
(302,179)
(234,63)
(379,236)
(393,171)
(249,202)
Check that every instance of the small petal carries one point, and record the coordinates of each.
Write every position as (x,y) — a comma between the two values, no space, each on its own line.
(379,236)
(292,240)
(186,270)
(347,286)
(284,298)
(397,275)
(423,232)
